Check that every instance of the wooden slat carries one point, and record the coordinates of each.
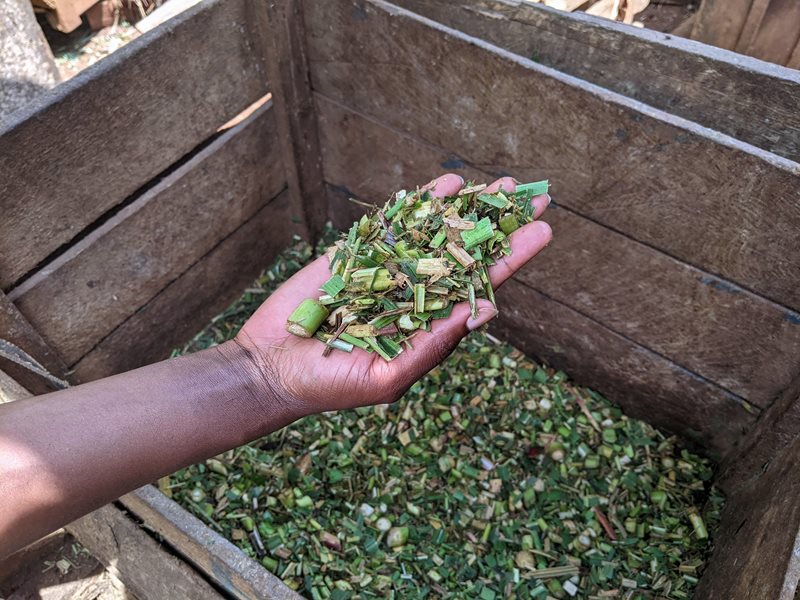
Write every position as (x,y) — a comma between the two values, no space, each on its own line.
(15,328)
(131,555)
(747,99)
(778,32)
(757,546)
(720,22)
(93,141)
(736,339)
(711,201)
(210,285)
(777,427)
(120,266)
(364,160)
(752,24)
(297,122)
(234,571)
(717,330)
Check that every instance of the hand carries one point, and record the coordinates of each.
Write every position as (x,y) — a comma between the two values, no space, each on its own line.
(294,369)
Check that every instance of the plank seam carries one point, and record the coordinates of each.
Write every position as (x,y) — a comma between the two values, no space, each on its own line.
(737,399)
(790,314)
(104,224)
(133,313)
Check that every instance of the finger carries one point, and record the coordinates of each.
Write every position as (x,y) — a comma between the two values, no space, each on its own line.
(432,347)
(448,184)
(526,242)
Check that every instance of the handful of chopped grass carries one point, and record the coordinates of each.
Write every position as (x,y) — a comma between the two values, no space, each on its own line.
(404,266)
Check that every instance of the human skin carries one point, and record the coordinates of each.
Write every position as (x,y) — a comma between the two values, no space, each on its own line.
(65,454)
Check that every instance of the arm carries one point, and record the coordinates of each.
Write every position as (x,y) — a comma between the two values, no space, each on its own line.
(64,454)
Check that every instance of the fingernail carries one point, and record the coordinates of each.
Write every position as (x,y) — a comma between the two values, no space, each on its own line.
(462,180)
(485,314)
(548,199)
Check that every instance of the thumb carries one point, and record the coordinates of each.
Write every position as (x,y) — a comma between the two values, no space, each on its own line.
(432,347)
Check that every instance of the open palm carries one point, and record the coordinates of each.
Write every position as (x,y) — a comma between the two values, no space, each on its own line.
(296,367)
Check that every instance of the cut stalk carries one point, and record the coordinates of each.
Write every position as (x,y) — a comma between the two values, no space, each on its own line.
(483,231)
(461,255)
(508,224)
(419,298)
(306,318)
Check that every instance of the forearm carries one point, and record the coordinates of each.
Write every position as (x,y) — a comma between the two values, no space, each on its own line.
(67,453)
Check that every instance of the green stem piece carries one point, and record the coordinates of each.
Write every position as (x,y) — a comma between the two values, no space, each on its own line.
(306,318)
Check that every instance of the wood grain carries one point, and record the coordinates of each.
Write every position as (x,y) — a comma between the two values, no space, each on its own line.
(720,22)
(757,546)
(297,122)
(778,32)
(728,208)
(15,328)
(95,140)
(120,266)
(234,571)
(749,100)
(130,554)
(776,428)
(189,302)
(741,342)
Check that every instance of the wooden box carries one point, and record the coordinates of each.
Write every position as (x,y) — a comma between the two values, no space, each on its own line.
(134,210)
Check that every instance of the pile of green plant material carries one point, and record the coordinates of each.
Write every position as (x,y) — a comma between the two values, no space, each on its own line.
(493,477)
(407,264)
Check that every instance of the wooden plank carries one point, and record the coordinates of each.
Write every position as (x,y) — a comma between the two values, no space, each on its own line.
(720,22)
(234,571)
(794,59)
(741,342)
(749,100)
(778,32)
(706,199)
(777,427)
(757,546)
(647,384)
(752,24)
(297,122)
(93,141)
(15,328)
(120,266)
(131,555)
(182,308)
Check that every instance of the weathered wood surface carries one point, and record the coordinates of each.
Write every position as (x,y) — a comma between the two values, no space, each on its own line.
(752,24)
(93,141)
(121,265)
(757,546)
(130,554)
(187,304)
(702,197)
(15,328)
(720,22)
(752,101)
(294,105)
(778,31)
(775,430)
(365,159)
(720,332)
(234,571)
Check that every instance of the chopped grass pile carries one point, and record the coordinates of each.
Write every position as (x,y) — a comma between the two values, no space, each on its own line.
(407,264)
(491,478)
